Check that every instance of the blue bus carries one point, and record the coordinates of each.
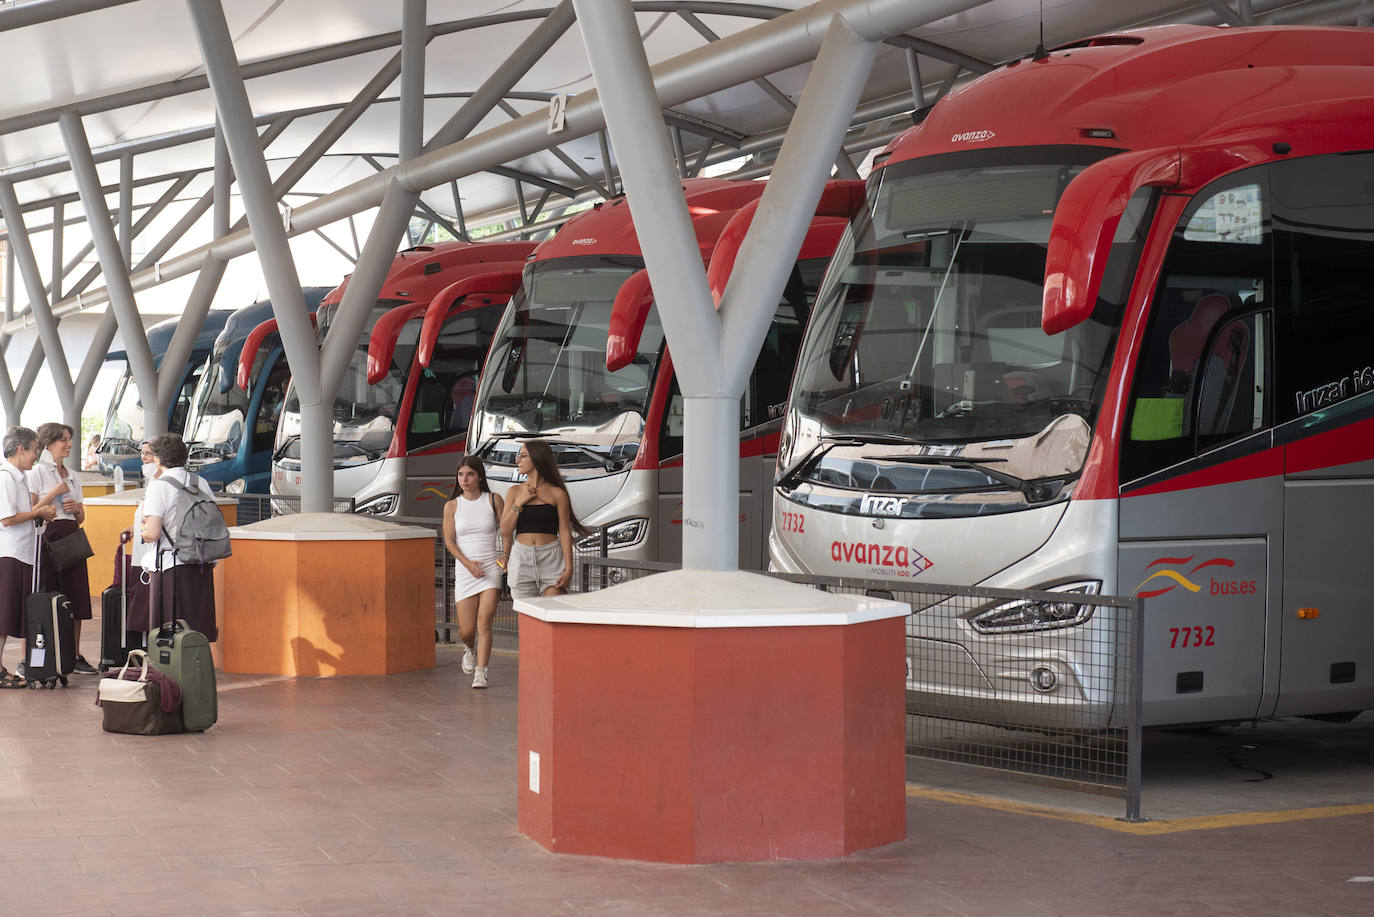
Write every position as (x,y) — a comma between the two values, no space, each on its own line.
(232,423)
(124,427)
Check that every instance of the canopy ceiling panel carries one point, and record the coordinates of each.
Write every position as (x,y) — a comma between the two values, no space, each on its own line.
(126,69)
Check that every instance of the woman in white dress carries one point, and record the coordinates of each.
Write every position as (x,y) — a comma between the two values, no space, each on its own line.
(471,525)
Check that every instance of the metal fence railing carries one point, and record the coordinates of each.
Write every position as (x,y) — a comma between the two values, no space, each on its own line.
(257,507)
(1042,686)
(506,622)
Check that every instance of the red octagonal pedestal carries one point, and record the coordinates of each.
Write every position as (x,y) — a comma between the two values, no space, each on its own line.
(696,717)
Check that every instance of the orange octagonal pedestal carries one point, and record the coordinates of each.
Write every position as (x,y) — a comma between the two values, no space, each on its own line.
(698,717)
(327,594)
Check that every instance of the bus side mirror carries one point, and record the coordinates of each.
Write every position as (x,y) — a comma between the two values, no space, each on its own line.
(249,352)
(494,286)
(1084,225)
(628,314)
(841,198)
(515,350)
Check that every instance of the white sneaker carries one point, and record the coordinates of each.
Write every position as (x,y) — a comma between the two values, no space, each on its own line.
(479,678)
(469,660)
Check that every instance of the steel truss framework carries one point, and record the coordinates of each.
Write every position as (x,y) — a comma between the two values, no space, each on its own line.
(456,151)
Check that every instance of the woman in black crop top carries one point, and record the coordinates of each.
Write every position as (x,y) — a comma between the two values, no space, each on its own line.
(539,516)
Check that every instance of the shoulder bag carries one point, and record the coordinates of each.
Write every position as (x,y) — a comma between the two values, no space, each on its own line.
(70,550)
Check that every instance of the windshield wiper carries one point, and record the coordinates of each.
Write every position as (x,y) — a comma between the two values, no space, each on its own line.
(286,444)
(1035,491)
(490,442)
(794,471)
(605,461)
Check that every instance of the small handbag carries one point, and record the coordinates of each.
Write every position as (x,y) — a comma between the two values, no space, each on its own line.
(70,550)
(137,707)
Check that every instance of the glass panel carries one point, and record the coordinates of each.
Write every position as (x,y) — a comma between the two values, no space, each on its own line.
(927,330)
(217,417)
(1324,244)
(547,368)
(1200,370)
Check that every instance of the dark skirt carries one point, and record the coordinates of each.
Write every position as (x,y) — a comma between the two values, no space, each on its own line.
(186,591)
(74,582)
(16,585)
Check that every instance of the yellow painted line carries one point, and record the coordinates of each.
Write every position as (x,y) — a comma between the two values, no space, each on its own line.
(1168,826)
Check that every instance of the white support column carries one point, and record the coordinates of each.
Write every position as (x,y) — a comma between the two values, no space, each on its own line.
(634,119)
(126,208)
(95,358)
(116,271)
(55,286)
(207,282)
(784,213)
(274,251)
(412,78)
(48,335)
(393,217)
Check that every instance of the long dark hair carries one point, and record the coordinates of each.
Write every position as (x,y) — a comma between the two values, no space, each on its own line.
(475,463)
(541,457)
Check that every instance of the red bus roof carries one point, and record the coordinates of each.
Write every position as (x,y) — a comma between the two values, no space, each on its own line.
(1144,88)
(607,229)
(418,273)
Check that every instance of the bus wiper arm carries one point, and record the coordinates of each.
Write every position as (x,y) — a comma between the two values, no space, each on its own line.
(490,442)
(285,444)
(602,459)
(793,472)
(1035,491)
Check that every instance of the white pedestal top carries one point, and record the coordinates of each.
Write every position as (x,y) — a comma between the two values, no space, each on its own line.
(707,599)
(328,527)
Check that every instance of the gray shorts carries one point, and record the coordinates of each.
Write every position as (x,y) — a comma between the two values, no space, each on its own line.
(534,568)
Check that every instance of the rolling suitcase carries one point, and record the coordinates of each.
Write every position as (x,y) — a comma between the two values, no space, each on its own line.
(116,640)
(49,632)
(184,654)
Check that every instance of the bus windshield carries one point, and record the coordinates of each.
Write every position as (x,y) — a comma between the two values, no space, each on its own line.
(216,420)
(547,368)
(927,329)
(364,415)
(124,423)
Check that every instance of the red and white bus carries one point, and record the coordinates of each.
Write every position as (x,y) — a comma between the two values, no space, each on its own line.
(399,427)
(580,359)
(1107,325)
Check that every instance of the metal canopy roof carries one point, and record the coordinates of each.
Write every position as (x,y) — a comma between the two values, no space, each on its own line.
(132,70)
(323,78)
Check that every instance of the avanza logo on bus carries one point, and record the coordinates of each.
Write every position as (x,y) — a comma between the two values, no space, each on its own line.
(1176,579)
(902,560)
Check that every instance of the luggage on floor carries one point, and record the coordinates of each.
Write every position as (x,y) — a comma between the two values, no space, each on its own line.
(49,632)
(115,637)
(184,654)
(141,702)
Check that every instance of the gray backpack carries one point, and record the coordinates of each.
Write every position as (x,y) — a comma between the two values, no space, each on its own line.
(195,526)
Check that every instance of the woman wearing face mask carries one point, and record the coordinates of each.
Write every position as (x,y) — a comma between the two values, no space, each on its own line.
(138,593)
(50,475)
(183,589)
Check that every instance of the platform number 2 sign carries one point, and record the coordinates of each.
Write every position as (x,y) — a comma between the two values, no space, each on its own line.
(558,108)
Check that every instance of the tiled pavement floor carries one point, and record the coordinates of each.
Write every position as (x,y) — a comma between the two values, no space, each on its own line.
(396,795)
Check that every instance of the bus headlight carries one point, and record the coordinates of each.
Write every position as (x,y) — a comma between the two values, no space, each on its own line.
(620,535)
(236,486)
(1013,617)
(377,506)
